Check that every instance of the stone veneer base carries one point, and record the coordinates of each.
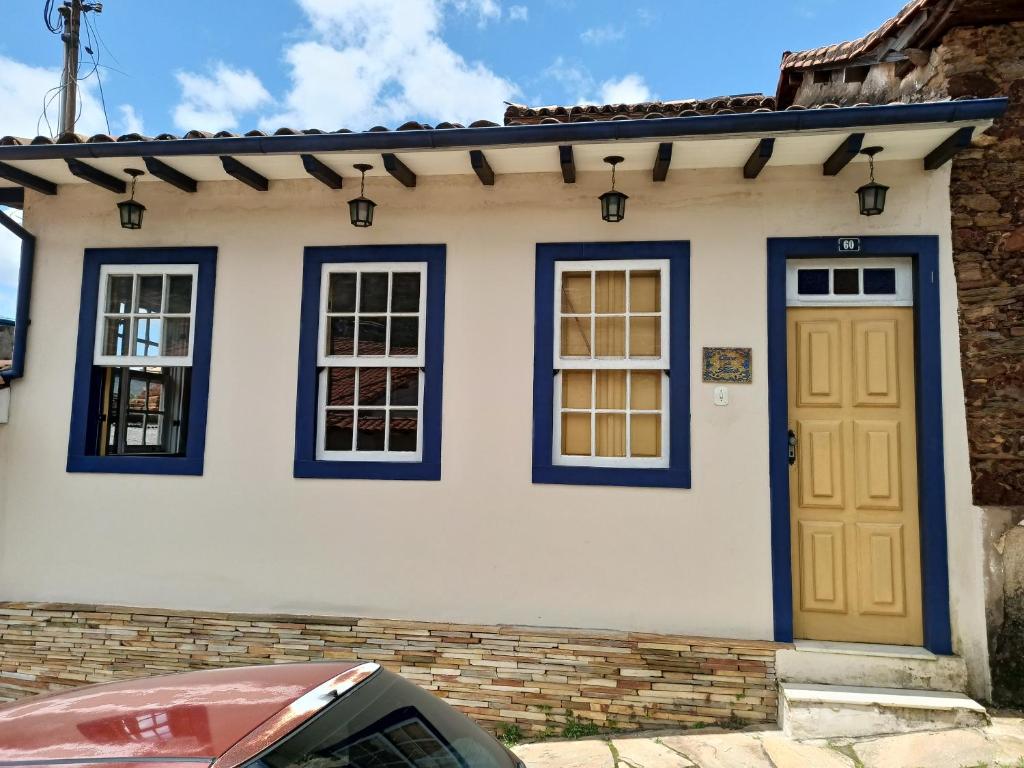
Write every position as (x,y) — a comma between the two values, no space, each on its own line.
(530,676)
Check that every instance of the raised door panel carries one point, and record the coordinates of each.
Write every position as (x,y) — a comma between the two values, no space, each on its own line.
(820,471)
(822,566)
(880,562)
(878,469)
(875,372)
(819,363)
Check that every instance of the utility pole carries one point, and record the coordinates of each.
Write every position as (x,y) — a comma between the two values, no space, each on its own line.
(71,14)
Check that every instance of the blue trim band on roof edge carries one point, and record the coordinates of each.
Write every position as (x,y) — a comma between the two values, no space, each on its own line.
(598,130)
(21,311)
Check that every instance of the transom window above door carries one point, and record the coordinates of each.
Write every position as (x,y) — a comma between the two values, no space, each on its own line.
(611,363)
(849,282)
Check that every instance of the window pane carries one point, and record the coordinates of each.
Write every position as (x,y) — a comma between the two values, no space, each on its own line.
(136,394)
(151,291)
(610,292)
(341,292)
(155,396)
(576,387)
(405,292)
(403,431)
(610,434)
(371,335)
(405,333)
(134,430)
(611,336)
(151,436)
(373,292)
(846,282)
(576,337)
(338,431)
(341,333)
(373,386)
(370,434)
(115,336)
(119,293)
(645,434)
(405,386)
(176,336)
(179,293)
(879,281)
(645,336)
(341,386)
(575,434)
(645,291)
(576,292)
(611,389)
(812,282)
(147,337)
(645,390)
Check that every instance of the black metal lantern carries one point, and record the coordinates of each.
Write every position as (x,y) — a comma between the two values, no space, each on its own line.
(131,210)
(360,209)
(872,194)
(613,204)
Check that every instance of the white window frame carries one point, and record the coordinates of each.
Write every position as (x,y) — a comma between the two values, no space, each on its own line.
(135,271)
(904,296)
(325,361)
(661,363)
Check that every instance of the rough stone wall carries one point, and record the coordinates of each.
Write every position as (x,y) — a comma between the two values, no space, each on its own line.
(6,341)
(1008,641)
(987,189)
(534,677)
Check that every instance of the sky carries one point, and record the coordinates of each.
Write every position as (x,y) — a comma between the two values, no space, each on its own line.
(329,64)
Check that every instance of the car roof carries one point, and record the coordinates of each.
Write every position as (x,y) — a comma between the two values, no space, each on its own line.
(192,715)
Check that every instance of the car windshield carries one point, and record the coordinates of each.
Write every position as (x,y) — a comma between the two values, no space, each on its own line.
(387,722)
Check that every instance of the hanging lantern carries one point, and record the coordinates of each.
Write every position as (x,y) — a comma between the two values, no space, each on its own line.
(131,210)
(360,209)
(613,204)
(872,194)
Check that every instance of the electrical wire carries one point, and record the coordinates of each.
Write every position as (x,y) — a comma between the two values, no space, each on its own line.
(93,50)
(56,27)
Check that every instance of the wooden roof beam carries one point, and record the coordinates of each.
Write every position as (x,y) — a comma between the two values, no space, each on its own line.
(96,176)
(172,176)
(843,154)
(244,174)
(27,180)
(398,169)
(758,158)
(12,197)
(568,163)
(942,154)
(662,161)
(481,167)
(319,171)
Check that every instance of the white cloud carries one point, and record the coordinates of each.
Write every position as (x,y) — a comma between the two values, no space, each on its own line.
(23,89)
(518,13)
(368,62)
(216,100)
(601,35)
(630,89)
(131,122)
(581,87)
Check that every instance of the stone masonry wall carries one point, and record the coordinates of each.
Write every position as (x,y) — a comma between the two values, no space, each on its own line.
(533,677)
(987,191)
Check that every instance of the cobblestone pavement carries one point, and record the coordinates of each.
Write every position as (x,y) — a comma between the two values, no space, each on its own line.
(1000,745)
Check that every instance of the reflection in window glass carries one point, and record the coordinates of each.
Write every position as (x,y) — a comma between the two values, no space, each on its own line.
(812,282)
(879,281)
(146,315)
(386,414)
(846,282)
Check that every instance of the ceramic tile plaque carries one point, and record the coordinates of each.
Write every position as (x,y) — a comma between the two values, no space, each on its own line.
(727,364)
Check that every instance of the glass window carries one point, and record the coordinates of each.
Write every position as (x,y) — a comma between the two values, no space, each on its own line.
(879,281)
(611,368)
(812,282)
(845,282)
(371,379)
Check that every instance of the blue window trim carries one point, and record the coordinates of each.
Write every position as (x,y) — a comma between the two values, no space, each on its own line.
(677,475)
(924,253)
(86,399)
(306,463)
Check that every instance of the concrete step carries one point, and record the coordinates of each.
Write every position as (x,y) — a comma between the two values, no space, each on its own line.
(810,711)
(872,666)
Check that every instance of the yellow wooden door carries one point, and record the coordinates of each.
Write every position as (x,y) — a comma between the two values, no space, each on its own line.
(853,487)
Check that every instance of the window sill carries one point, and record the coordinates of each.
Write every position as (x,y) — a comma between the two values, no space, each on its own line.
(636,478)
(366,470)
(136,465)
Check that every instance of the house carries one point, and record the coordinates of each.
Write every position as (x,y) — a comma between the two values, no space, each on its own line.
(589,415)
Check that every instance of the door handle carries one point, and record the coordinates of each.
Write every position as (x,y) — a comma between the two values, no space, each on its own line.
(791,448)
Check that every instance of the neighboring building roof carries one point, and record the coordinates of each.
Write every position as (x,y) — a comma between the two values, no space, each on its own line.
(6,321)
(189,715)
(519,114)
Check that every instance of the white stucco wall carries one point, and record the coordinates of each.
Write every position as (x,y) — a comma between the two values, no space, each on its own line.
(484,544)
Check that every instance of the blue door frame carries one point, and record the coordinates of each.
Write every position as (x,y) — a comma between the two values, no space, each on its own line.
(924,253)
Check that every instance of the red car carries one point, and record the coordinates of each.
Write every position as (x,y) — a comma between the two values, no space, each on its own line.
(317,715)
